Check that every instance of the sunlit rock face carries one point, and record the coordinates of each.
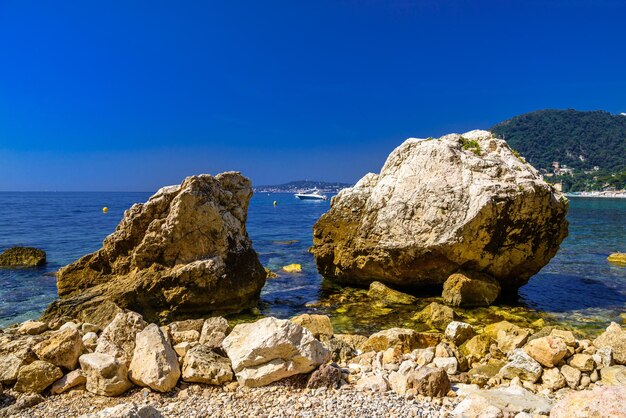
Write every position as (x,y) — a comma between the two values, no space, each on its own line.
(457,203)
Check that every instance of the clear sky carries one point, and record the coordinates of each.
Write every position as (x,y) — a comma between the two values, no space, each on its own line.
(130,96)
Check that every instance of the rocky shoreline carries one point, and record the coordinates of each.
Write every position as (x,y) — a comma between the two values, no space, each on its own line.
(300,367)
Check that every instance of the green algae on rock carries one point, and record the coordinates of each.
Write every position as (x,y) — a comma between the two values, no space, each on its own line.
(22,257)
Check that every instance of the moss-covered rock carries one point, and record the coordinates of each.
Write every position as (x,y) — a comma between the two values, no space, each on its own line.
(22,257)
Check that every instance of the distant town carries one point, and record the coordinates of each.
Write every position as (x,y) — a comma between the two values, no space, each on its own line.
(302,185)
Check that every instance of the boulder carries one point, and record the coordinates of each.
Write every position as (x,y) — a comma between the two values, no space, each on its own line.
(73,379)
(154,362)
(32,327)
(22,257)
(326,376)
(292,268)
(548,351)
(62,348)
(480,375)
(388,296)
(507,335)
(470,289)
(185,252)
(436,315)
(271,349)
(214,331)
(566,336)
(430,381)
(203,365)
(476,347)
(615,338)
(106,375)
(118,338)
(460,202)
(523,366)
(405,339)
(601,401)
(459,332)
(318,325)
(37,376)
(10,367)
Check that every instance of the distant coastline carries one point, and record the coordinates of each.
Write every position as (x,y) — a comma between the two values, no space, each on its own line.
(619,194)
(300,185)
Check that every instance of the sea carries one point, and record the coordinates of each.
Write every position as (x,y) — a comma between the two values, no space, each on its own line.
(578,287)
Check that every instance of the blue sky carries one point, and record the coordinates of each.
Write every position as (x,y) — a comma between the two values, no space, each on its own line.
(128,95)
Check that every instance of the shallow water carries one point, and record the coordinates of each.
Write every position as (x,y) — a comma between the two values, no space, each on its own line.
(578,288)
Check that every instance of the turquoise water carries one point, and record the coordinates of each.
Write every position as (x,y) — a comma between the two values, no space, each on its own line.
(578,286)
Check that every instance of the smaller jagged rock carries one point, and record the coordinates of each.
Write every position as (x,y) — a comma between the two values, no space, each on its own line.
(372,383)
(405,339)
(470,290)
(327,376)
(553,379)
(118,338)
(548,351)
(213,332)
(614,375)
(22,257)
(10,367)
(507,335)
(566,336)
(106,375)
(32,327)
(449,364)
(476,347)
(37,376)
(380,292)
(154,362)
(615,338)
(23,402)
(480,375)
(90,340)
(203,365)
(459,332)
(318,325)
(523,366)
(62,348)
(73,379)
(436,315)
(571,375)
(430,381)
(583,362)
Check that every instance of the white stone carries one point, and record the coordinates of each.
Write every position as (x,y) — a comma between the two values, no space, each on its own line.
(154,362)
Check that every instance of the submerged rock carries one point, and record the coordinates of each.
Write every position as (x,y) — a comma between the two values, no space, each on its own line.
(617,258)
(439,206)
(469,290)
(22,257)
(389,296)
(184,252)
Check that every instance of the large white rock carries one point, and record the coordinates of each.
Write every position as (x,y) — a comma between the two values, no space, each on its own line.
(615,338)
(105,374)
(439,205)
(271,349)
(154,362)
(118,338)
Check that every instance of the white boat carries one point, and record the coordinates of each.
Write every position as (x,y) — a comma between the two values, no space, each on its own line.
(312,194)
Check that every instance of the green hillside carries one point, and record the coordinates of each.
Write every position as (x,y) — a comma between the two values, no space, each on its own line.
(591,146)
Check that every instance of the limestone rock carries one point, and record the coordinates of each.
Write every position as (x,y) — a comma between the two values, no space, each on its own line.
(476,407)
(615,338)
(571,375)
(213,332)
(318,325)
(10,367)
(546,350)
(510,400)
(71,380)
(126,410)
(37,376)
(523,366)
(480,375)
(583,362)
(62,348)
(459,332)
(405,339)
(460,201)
(154,362)
(106,375)
(436,315)
(508,336)
(614,375)
(449,364)
(271,349)
(388,296)
(184,252)
(32,327)
(470,289)
(602,401)
(617,258)
(22,257)
(430,381)
(203,365)
(372,383)
(90,340)
(327,376)
(476,347)
(566,336)
(118,338)
(553,379)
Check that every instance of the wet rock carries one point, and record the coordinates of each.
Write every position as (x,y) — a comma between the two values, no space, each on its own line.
(203,365)
(617,258)
(73,379)
(271,349)
(601,401)
(62,348)
(436,315)
(182,253)
(326,376)
(459,332)
(318,325)
(476,347)
(118,338)
(571,375)
(388,296)
(430,381)
(37,376)
(154,362)
(22,257)
(438,206)
(615,338)
(213,332)
(548,351)
(481,374)
(405,339)
(470,289)
(292,268)
(32,327)
(106,375)
(523,366)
